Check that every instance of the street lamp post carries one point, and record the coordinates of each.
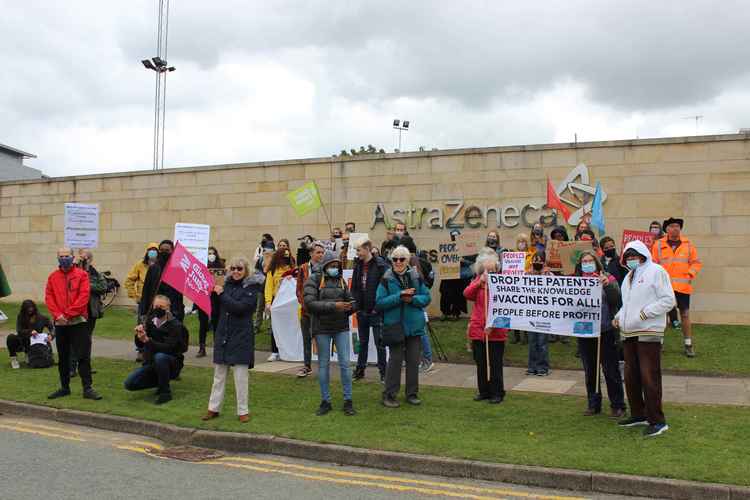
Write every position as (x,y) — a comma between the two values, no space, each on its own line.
(401,127)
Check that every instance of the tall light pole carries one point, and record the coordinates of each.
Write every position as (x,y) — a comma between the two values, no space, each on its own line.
(401,127)
(159,65)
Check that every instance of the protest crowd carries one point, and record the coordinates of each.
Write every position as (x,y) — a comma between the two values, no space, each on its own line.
(641,291)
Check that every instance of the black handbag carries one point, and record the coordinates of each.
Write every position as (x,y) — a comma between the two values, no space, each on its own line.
(394,335)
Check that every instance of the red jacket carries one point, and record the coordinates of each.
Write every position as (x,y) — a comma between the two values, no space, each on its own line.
(475,292)
(68,293)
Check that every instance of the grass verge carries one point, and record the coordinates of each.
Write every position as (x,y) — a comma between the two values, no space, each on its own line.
(705,443)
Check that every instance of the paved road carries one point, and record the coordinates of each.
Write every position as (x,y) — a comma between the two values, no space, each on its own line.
(50,460)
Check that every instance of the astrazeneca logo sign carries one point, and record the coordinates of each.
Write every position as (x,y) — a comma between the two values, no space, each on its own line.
(575,190)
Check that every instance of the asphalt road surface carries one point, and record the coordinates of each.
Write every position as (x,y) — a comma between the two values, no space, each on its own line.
(50,460)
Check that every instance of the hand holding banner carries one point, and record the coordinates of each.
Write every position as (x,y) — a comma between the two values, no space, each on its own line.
(190,277)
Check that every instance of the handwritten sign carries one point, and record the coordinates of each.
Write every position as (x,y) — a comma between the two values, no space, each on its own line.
(629,235)
(449,261)
(514,262)
(469,242)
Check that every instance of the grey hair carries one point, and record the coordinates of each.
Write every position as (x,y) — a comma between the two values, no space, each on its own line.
(401,251)
(485,255)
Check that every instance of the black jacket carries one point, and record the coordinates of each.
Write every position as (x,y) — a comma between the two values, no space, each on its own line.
(167,339)
(615,268)
(152,286)
(234,340)
(41,323)
(320,302)
(366,297)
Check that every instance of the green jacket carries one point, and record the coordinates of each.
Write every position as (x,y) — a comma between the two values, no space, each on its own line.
(388,300)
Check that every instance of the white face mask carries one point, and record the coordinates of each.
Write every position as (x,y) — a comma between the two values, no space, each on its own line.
(211,257)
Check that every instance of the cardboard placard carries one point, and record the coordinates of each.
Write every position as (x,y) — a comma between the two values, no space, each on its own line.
(629,235)
(449,261)
(469,242)
(562,255)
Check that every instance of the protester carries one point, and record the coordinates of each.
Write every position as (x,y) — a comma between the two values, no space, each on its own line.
(368,271)
(402,297)
(522,245)
(30,323)
(261,266)
(647,296)
(304,250)
(329,302)
(266,241)
(559,233)
(493,242)
(538,239)
(388,244)
(400,230)
(611,260)
(538,342)
(137,275)
(67,297)
(590,266)
(98,287)
(206,323)
(655,229)
(304,272)
(489,387)
(350,227)
(679,257)
(346,262)
(234,343)
(335,239)
(164,343)
(281,266)
(583,225)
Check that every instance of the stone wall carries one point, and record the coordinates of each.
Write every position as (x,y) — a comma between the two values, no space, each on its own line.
(705,180)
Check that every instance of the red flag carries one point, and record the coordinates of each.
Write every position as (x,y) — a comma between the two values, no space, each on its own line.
(190,277)
(553,201)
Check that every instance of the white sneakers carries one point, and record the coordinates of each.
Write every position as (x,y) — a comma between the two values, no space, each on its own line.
(14,363)
(273,357)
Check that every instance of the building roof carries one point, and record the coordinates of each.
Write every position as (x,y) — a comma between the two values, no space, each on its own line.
(15,151)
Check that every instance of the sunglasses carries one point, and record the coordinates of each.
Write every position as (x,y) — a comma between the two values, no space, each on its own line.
(399,259)
(236,268)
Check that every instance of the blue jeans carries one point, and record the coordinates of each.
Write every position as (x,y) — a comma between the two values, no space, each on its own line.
(156,374)
(365,321)
(426,348)
(324,358)
(538,352)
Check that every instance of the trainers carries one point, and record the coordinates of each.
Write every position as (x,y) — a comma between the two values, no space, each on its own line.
(92,394)
(382,378)
(60,393)
(359,373)
(655,430)
(676,325)
(544,373)
(14,363)
(617,413)
(163,397)
(349,408)
(530,372)
(414,400)
(427,366)
(633,422)
(390,402)
(689,351)
(495,400)
(325,407)
(304,372)
(273,357)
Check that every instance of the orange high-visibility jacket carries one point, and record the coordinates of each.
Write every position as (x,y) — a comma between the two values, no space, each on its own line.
(682,264)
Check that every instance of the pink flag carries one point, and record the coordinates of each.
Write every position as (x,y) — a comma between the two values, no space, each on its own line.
(190,277)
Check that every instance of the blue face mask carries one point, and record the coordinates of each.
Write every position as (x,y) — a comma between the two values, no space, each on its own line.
(65,262)
(633,264)
(588,267)
(152,254)
(333,272)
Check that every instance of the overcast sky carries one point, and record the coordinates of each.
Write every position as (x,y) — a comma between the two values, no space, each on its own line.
(277,80)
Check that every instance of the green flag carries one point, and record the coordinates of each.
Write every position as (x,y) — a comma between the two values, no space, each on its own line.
(4,285)
(305,199)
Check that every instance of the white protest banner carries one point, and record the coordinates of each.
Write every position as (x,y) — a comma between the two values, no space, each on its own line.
(81,225)
(354,240)
(558,305)
(195,238)
(514,262)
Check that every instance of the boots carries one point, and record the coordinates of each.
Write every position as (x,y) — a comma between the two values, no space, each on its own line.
(201,351)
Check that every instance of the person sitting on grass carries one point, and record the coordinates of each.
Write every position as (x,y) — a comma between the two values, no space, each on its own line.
(29,324)
(163,342)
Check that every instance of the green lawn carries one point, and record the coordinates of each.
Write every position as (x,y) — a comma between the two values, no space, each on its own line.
(705,443)
(721,348)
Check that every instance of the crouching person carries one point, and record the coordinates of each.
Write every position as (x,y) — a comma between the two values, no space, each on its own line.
(163,341)
(329,303)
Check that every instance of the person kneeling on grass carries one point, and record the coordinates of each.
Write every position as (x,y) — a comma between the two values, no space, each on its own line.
(234,343)
(329,303)
(164,343)
(489,387)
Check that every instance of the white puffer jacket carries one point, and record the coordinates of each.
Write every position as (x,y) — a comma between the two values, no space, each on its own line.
(647,297)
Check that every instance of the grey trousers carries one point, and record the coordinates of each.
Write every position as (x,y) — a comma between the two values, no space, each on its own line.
(412,349)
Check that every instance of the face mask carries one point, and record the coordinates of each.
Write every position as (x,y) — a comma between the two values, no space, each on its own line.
(164,255)
(537,232)
(399,234)
(655,230)
(538,266)
(522,246)
(65,262)
(633,264)
(611,253)
(159,313)
(211,257)
(337,236)
(152,254)
(333,272)
(491,242)
(588,267)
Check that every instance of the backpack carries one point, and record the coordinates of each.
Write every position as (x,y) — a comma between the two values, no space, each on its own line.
(40,356)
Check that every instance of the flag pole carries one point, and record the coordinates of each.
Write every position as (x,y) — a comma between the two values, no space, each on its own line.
(323,206)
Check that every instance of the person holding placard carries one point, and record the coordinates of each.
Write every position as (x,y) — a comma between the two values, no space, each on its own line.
(30,325)
(611,260)
(538,363)
(604,349)
(154,286)
(488,344)
(281,266)
(647,296)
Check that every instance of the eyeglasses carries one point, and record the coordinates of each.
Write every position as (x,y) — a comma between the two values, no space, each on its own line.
(399,259)
(236,268)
